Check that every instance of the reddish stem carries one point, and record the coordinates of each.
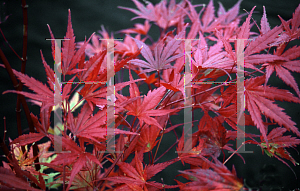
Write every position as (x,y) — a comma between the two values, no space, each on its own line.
(199,93)
(159,144)
(119,157)
(21,97)
(9,44)
(64,176)
(23,101)
(166,151)
(6,151)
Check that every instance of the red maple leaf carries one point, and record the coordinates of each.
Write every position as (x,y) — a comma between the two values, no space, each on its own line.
(9,181)
(70,57)
(176,82)
(42,92)
(278,143)
(91,126)
(144,108)
(73,155)
(139,28)
(163,56)
(260,101)
(208,22)
(128,47)
(293,32)
(91,92)
(149,79)
(290,62)
(136,176)
(42,129)
(162,15)
(216,178)
(148,136)
(283,67)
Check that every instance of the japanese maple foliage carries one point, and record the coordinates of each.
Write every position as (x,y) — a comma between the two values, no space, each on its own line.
(142,120)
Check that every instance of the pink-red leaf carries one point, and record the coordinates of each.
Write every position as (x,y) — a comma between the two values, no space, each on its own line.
(264,24)
(68,49)
(15,182)
(28,138)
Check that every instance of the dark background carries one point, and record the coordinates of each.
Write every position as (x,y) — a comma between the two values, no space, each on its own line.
(87,17)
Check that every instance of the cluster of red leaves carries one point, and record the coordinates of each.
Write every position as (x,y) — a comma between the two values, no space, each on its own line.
(161,66)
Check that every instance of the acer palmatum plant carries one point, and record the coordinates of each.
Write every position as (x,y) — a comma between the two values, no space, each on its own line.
(142,120)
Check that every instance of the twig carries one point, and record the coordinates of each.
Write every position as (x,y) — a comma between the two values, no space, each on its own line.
(5,150)
(199,93)
(233,153)
(166,151)
(159,143)
(118,157)
(23,101)
(9,44)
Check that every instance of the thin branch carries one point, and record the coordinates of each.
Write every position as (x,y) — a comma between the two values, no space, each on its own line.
(9,44)
(199,93)
(23,66)
(159,143)
(166,151)
(23,101)
(5,149)
(119,157)
(233,153)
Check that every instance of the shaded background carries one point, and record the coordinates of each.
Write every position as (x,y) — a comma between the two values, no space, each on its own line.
(87,17)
